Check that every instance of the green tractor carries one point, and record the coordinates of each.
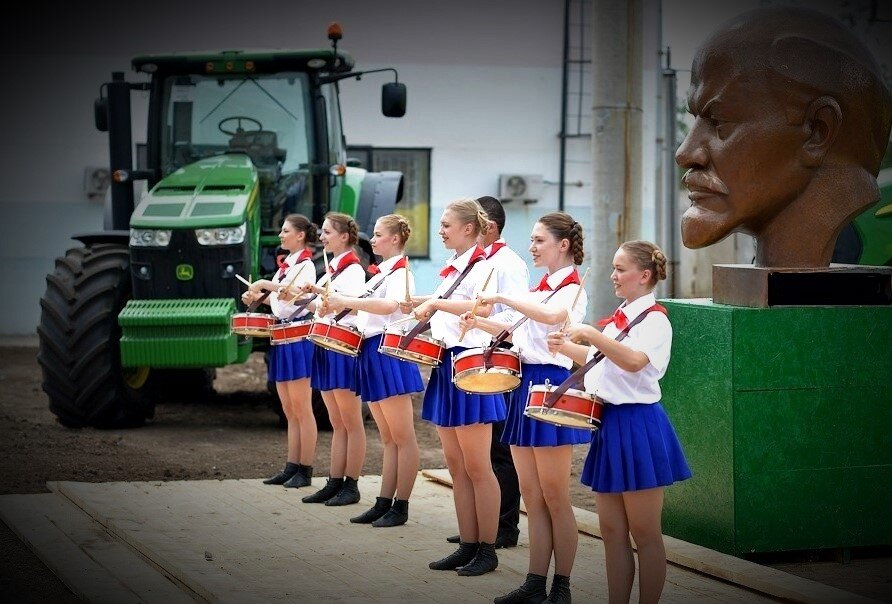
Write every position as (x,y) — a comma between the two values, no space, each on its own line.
(235,141)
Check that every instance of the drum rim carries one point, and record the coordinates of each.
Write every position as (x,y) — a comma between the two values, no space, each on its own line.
(570,391)
(591,422)
(426,360)
(490,371)
(348,351)
(421,336)
(481,350)
(455,381)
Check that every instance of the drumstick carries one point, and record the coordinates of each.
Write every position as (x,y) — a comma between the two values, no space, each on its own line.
(476,303)
(408,297)
(399,321)
(572,306)
(243,280)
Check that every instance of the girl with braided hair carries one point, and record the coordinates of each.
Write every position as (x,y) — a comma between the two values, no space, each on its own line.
(542,452)
(636,453)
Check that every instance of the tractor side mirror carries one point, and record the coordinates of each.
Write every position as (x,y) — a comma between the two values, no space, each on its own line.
(100,114)
(393,99)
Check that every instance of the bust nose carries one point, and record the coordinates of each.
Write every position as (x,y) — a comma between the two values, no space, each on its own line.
(692,152)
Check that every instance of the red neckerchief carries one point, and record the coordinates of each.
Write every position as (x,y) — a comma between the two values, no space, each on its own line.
(619,318)
(401,263)
(478,254)
(373,269)
(305,254)
(350,258)
(496,246)
(283,266)
(572,278)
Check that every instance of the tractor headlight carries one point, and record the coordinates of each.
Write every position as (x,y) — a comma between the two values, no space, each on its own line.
(149,238)
(221,236)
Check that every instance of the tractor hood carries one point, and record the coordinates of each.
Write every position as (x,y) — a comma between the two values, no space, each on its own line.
(213,192)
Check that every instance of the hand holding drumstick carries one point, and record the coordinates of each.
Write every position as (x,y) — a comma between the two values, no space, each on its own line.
(474,308)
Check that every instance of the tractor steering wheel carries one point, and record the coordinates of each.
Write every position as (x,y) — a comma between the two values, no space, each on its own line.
(239,119)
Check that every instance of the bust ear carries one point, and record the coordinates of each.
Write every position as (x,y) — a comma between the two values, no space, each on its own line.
(823,118)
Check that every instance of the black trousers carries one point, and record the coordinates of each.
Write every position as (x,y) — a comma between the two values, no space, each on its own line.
(503,467)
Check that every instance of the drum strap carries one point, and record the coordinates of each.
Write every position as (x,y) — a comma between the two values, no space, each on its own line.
(487,354)
(302,304)
(253,306)
(422,325)
(368,293)
(577,376)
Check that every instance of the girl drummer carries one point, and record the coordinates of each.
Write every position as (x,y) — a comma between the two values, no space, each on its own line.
(385,382)
(542,452)
(464,421)
(290,364)
(636,453)
(334,373)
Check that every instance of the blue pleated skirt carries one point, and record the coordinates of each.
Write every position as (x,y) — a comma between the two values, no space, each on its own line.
(333,370)
(635,449)
(289,362)
(447,406)
(524,431)
(382,376)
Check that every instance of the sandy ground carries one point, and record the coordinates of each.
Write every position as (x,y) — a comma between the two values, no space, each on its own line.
(232,433)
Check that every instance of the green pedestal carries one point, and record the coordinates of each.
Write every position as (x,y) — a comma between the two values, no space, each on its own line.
(785,415)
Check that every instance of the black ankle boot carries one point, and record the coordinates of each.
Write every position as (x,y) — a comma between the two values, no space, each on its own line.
(485,561)
(560,590)
(398,514)
(382,505)
(331,488)
(280,478)
(348,494)
(464,554)
(303,477)
(531,592)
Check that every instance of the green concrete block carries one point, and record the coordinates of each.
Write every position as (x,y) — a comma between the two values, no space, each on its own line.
(784,414)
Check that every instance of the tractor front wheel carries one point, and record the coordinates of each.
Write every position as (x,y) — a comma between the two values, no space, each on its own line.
(79,337)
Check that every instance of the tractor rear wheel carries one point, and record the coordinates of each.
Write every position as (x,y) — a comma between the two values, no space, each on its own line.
(79,337)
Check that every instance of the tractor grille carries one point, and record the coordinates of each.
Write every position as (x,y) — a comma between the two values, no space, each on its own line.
(155,271)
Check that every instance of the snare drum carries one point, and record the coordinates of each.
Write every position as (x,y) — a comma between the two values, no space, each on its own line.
(252,324)
(286,333)
(339,338)
(471,374)
(422,349)
(575,408)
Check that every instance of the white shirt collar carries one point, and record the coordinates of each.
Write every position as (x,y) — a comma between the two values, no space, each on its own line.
(638,306)
(460,263)
(559,275)
(386,265)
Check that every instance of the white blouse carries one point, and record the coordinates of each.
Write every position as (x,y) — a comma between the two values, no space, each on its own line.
(350,282)
(394,288)
(281,308)
(444,325)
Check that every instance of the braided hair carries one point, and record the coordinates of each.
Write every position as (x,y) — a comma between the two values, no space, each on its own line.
(648,257)
(562,226)
(343,223)
(397,225)
(468,211)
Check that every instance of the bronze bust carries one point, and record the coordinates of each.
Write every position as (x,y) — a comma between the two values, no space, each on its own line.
(791,122)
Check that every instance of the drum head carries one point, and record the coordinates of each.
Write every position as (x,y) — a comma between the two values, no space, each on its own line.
(493,382)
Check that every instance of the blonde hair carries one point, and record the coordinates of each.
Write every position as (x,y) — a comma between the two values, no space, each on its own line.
(468,211)
(397,225)
(649,257)
(343,223)
(562,226)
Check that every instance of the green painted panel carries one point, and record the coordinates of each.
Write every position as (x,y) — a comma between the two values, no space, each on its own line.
(814,469)
(212,209)
(697,395)
(164,209)
(810,347)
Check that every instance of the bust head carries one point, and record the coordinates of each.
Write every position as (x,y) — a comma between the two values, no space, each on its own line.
(791,121)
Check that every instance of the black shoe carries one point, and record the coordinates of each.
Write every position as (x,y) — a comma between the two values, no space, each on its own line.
(398,514)
(531,592)
(464,554)
(331,488)
(303,478)
(485,561)
(381,507)
(560,590)
(280,478)
(348,494)
(506,540)
(453,539)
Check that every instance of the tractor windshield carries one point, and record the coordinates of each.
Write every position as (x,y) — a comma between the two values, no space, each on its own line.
(263,116)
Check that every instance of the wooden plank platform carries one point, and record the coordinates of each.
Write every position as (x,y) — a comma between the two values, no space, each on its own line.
(240,541)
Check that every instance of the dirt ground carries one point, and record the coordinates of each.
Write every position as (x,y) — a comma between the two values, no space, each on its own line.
(232,433)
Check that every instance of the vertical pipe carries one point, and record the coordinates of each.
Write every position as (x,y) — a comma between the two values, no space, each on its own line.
(670,180)
(564,77)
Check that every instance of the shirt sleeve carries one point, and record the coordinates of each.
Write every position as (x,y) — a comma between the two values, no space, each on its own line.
(351,281)
(395,286)
(653,337)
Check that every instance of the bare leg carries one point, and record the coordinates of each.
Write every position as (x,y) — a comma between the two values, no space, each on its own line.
(351,416)
(475,441)
(617,546)
(538,521)
(462,489)
(293,427)
(389,453)
(338,461)
(400,419)
(553,465)
(644,510)
(300,399)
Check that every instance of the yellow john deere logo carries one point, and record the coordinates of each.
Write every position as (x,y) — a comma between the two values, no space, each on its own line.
(185,272)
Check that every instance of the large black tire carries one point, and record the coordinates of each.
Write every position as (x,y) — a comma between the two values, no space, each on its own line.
(79,337)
